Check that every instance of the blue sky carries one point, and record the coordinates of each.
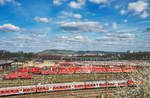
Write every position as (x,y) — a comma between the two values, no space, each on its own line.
(105,25)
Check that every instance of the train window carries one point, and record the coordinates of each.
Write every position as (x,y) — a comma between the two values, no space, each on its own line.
(7,91)
(44,88)
(2,91)
(11,90)
(32,89)
(28,89)
(24,89)
(16,90)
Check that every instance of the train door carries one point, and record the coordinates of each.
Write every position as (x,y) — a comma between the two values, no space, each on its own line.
(72,86)
(116,84)
(50,88)
(97,85)
(21,90)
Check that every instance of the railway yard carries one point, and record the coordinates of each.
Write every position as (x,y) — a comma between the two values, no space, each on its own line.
(70,77)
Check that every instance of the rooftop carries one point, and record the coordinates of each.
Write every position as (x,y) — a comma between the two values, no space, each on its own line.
(5,62)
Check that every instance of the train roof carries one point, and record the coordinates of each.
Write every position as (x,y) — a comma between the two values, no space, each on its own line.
(18,87)
(117,81)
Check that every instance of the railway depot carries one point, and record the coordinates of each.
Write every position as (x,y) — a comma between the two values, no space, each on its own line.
(5,65)
(67,72)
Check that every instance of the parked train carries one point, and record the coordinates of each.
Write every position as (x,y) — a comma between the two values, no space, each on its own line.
(64,86)
(18,75)
(76,69)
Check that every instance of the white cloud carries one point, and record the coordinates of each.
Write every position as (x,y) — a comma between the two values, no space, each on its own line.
(106,38)
(122,12)
(114,25)
(72,15)
(126,35)
(117,37)
(87,26)
(4,2)
(9,28)
(59,2)
(144,15)
(125,20)
(98,1)
(77,16)
(77,4)
(42,19)
(73,38)
(116,6)
(138,6)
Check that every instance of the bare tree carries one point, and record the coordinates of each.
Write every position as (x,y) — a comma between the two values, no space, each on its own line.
(141,88)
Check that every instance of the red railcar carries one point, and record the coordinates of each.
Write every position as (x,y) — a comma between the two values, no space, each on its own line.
(18,75)
(114,69)
(83,69)
(48,72)
(129,69)
(28,69)
(98,69)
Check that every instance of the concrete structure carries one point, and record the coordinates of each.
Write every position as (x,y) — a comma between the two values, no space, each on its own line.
(5,65)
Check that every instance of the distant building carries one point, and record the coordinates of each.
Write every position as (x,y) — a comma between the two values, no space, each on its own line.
(5,65)
(129,51)
(88,58)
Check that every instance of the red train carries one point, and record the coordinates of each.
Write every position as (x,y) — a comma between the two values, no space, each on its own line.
(64,86)
(28,69)
(18,75)
(83,69)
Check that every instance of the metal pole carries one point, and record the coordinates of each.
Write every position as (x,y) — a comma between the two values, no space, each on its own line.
(106,79)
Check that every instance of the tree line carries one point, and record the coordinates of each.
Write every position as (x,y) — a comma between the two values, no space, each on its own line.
(6,55)
(28,56)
